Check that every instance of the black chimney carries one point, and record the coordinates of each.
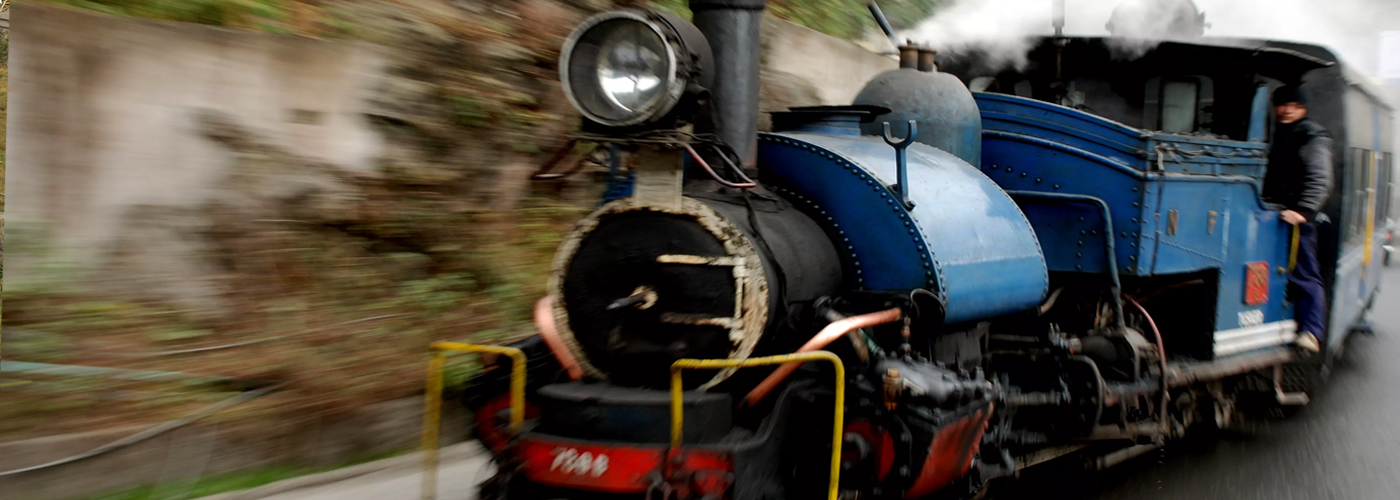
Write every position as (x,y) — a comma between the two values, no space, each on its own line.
(734,29)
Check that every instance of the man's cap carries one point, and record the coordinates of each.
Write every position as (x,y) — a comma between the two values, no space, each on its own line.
(1290,93)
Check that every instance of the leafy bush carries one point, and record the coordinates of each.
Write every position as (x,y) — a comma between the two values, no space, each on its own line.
(212,12)
(301,17)
(846,19)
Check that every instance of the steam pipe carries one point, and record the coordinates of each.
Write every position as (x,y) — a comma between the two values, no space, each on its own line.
(544,321)
(833,331)
(747,183)
(884,23)
(857,340)
(734,29)
(1109,247)
(1050,302)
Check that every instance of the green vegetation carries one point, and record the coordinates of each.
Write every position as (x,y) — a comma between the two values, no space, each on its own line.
(849,19)
(211,12)
(846,19)
(223,483)
(906,14)
(209,485)
(277,16)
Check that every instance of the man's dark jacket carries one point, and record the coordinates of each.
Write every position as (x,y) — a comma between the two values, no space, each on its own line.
(1299,175)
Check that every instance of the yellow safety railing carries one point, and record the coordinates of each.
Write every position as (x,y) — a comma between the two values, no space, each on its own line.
(432,407)
(1293,249)
(678,397)
(1371,180)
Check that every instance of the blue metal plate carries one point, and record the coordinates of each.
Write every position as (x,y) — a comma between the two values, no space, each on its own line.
(965,238)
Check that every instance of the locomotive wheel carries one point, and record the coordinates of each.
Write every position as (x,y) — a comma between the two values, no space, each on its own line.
(1086,385)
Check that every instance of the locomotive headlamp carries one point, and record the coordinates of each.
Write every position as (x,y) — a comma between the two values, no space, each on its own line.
(632,67)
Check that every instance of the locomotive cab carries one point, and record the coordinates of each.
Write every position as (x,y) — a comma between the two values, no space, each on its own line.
(1193,122)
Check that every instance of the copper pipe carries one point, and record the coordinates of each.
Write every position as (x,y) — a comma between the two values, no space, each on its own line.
(1162,355)
(544,320)
(1050,302)
(748,183)
(833,331)
(857,340)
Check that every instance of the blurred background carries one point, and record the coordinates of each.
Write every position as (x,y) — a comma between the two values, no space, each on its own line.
(217,196)
(246,219)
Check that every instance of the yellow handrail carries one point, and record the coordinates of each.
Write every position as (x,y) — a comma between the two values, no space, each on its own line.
(1293,249)
(1371,179)
(678,398)
(432,406)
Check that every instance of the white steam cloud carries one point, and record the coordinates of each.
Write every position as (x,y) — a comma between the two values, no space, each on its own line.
(1349,27)
(1001,27)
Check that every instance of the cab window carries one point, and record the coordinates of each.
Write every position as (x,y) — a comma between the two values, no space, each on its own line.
(1179,106)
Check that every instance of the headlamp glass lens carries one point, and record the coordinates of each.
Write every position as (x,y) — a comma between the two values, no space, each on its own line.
(621,71)
(632,66)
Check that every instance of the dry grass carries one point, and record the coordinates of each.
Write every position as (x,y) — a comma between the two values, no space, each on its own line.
(348,329)
(349,303)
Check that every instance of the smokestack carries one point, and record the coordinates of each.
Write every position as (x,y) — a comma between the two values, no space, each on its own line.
(926,59)
(909,56)
(734,29)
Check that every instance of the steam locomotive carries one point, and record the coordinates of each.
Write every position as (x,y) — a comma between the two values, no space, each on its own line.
(1074,260)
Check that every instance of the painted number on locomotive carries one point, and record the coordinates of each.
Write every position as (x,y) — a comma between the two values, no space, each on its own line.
(1252,317)
(571,461)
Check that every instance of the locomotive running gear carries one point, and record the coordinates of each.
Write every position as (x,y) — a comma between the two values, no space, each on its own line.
(1300,167)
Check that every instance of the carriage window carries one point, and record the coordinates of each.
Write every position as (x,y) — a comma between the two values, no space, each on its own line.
(1388,188)
(1382,189)
(1354,195)
(1179,107)
(1385,188)
(1023,88)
